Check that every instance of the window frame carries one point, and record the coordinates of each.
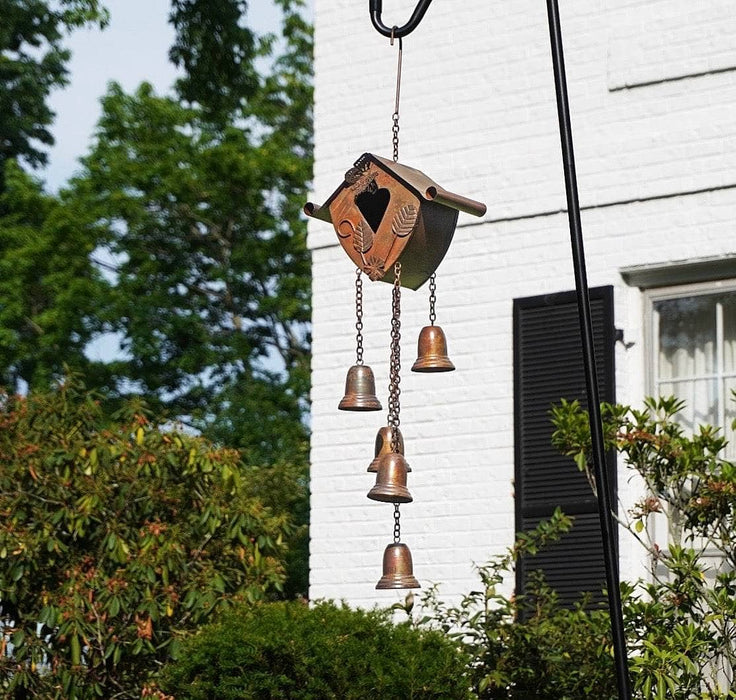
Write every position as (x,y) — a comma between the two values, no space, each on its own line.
(659,525)
(651,344)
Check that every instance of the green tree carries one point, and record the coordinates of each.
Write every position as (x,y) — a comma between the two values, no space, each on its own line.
(116,539)
(32,63)
(50,292)
(217,53)
(200,196)
(183,238)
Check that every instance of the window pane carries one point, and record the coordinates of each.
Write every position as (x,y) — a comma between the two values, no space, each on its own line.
(687,338)
(729,335)
(701,402)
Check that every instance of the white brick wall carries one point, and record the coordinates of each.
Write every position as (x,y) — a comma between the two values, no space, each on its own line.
(657,178)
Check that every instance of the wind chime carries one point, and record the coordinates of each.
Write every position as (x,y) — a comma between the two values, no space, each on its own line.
(395,224)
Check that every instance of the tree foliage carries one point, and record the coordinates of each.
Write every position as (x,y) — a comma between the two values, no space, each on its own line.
(211,291)
(182,242)
(217,53)
(32,63)
(50,292)
(184,230)
(199,195)
(116,539)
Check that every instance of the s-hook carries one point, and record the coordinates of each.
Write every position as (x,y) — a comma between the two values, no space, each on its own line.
(375,8)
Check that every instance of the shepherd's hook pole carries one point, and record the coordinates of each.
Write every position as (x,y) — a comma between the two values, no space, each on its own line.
(375,7)
(591,378)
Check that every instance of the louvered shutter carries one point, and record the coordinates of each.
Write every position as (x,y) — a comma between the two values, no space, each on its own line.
(548,366)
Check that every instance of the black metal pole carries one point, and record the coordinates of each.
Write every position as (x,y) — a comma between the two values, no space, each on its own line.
(591,378)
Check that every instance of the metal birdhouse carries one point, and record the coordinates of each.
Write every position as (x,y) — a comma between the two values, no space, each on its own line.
(385,212)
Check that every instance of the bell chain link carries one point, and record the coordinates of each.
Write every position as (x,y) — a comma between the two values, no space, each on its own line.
(432,298)
(394,391)
(359,316)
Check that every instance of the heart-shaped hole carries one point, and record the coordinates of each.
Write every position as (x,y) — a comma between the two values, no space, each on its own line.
(373,206)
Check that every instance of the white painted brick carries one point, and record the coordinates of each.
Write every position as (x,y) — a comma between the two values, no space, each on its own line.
(478,115)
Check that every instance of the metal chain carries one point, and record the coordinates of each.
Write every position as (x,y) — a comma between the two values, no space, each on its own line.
(359,316)
(395,115)
(432,298)
(394,391)
(397,523)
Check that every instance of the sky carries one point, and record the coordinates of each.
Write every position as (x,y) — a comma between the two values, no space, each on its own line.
(131,49)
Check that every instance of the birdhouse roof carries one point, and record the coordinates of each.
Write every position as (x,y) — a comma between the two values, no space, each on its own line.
(422,185)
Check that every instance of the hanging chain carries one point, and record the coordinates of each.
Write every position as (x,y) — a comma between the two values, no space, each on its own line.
(432,298)
(359,317)
(394,391)
(395,115)
(397,523)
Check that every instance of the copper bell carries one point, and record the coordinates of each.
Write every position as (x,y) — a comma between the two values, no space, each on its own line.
(360,390)
(432,351)
(390,486)
(398,569)
(383,446)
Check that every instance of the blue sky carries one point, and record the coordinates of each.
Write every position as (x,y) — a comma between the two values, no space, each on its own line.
(132,48)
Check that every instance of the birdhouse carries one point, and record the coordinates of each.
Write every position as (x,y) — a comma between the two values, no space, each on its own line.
(386,212)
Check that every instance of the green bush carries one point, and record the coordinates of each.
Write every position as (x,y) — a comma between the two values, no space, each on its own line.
(528,646)
(680,625)
(295,652)
(117,539)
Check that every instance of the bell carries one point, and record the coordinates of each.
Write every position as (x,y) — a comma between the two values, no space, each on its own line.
(390,486)
(432,351)
(360,390)
(383,446)
(398,570)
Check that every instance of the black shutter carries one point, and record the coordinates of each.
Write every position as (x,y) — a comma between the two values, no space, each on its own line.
(548,366)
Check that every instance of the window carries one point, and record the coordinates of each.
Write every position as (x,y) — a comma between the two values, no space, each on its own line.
(693,353)
(548,366)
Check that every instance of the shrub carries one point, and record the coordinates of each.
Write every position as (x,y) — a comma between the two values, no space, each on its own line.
(116,538)
(680,625)
(289,651)
(528,646)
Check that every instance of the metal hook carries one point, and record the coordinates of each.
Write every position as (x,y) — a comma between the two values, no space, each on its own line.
(375,8)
